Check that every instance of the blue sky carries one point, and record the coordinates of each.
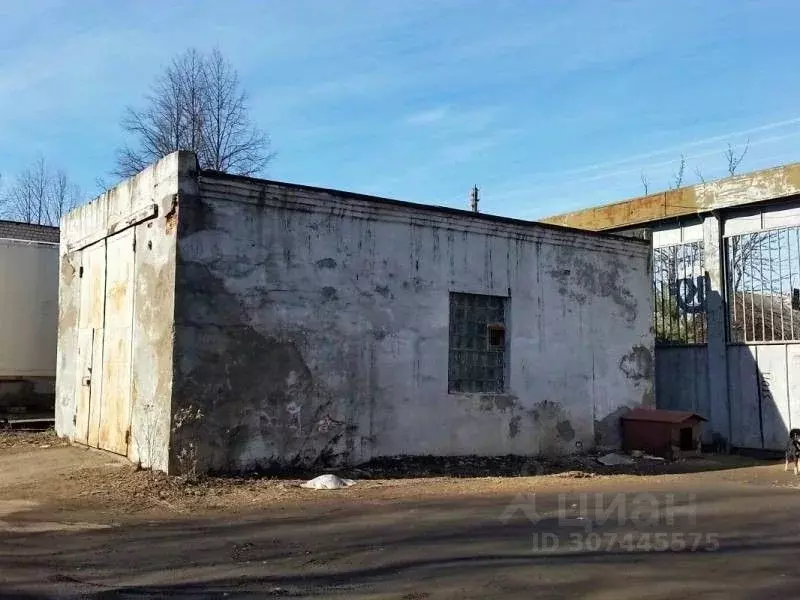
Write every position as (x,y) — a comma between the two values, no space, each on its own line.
(547,106)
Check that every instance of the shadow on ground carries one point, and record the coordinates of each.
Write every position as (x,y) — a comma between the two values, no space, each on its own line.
(454,548)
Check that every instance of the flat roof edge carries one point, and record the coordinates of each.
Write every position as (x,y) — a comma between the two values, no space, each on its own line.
(446,210)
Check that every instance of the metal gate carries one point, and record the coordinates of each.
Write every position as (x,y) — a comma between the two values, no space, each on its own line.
(763,284)
(679,315)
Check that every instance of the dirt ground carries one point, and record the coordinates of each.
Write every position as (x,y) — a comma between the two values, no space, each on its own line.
(82,523)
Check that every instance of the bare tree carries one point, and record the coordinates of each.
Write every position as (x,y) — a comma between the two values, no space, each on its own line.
(62,196)
(645,183)
(734,159)
(699,174)
(230,142)
(25,200)
(678,177)
(197,104)
(40,195)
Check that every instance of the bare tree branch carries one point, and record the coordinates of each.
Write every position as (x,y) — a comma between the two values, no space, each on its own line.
(40,195)
(62,196)
(733,159)
(197,104)
(645,183)
(699,174)
(678,177)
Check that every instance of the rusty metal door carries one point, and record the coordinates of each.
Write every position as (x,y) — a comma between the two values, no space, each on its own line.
(115,419)
(90,343)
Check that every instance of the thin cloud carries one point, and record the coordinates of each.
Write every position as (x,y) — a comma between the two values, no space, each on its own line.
(428,117)
(676,148)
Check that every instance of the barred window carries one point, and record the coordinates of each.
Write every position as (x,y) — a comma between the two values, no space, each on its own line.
(763,271)
(478,341)
(679,294)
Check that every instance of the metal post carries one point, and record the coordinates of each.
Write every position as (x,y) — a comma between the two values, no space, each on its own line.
(474,199)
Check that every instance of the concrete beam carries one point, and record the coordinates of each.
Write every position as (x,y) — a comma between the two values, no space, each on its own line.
(749,188)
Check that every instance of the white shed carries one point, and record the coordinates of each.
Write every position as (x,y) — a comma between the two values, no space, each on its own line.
(28,319)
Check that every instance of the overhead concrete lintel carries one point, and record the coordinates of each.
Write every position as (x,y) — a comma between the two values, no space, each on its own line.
(749,188)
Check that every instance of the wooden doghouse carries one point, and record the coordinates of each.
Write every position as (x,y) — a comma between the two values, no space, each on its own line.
(667,433)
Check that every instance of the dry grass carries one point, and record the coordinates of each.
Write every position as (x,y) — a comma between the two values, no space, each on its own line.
(11,438)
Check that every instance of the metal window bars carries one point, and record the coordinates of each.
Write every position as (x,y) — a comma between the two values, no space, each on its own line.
(679,294)
(763,286)
(477,343)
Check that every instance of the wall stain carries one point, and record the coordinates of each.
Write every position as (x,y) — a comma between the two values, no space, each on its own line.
(329,294)
(513,426)
(500,402)
(67,269)
(580,280)
(555,429)
(261,403)
(637,364)
(565,430)
(326,263)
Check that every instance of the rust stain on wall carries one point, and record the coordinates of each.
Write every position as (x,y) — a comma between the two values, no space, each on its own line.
(171,218)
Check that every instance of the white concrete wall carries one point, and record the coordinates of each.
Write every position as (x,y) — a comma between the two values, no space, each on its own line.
(681,232)
(313,326)
(749,220)
(28,308)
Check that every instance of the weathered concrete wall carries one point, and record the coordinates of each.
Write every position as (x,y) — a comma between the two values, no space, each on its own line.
(144,208)
(313,326)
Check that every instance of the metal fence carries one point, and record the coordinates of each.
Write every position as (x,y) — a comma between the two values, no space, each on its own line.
(763,273)
(679,294)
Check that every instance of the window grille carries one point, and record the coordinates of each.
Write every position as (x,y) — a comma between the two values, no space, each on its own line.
(763,277)
(679,294)
(478,343)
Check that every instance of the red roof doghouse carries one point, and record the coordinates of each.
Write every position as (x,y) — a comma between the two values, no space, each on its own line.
(667,433)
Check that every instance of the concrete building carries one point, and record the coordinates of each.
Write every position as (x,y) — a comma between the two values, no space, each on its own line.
(28,320)
(215,322)
(726,282)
